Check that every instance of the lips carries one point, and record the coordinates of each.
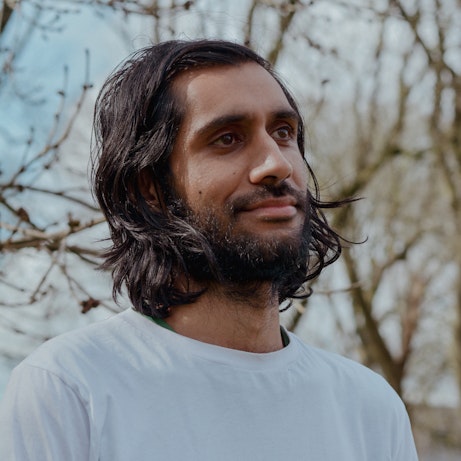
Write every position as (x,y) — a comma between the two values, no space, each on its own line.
(276,202)
(280,208)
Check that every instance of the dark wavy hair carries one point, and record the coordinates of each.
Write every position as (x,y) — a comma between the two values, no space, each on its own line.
(137,118)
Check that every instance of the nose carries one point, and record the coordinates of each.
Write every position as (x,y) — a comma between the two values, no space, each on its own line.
(271,166)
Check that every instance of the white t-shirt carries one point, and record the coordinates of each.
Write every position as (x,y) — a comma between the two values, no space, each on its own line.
(127,389)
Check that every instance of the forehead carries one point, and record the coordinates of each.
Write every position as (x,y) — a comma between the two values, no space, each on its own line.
(246,89)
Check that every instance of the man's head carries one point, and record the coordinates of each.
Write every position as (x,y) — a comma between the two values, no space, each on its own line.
(202,177)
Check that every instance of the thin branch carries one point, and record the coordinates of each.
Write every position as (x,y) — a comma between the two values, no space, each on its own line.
(394,258)
(33,296)
(5,14)
(249,23)
(52,145)
(288,11)
(413,22)
(136,7)
(35,238)
(58,193)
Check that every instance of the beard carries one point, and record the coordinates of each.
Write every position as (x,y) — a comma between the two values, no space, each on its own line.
(242,258)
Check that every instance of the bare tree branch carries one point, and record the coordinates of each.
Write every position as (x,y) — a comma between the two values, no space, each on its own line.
(35,239)
(5,14)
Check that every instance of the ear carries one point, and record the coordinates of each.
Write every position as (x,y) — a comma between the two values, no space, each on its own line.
(149,189)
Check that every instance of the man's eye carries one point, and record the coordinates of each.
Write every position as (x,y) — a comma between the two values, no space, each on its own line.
(284,132)
(226,139)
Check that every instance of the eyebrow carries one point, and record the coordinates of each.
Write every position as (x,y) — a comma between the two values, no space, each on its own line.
(224,120)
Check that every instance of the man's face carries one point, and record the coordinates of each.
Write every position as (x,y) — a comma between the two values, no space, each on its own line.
(236,163)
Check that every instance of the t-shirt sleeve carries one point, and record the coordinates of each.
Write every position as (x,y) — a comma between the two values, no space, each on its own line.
(405,449)
(42,419)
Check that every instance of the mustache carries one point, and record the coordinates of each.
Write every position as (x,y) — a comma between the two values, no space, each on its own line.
(269,191)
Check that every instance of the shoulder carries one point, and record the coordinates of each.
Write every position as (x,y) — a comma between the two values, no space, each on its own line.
(363,398)
(79,339)
(84,351)
(357,384)
(363,395)
(331,362)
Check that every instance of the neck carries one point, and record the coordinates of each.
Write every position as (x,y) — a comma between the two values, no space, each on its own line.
(244,319)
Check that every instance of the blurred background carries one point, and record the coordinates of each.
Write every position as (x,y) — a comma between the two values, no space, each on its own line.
(379,84)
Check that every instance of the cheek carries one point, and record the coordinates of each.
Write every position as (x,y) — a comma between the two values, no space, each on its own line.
(214,182)
(190,181)
(300,172)
(200,189)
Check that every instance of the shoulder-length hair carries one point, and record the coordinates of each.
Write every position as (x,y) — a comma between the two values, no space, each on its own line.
(136,122)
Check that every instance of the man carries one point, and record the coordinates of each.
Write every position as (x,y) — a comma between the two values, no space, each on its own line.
(200,172)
